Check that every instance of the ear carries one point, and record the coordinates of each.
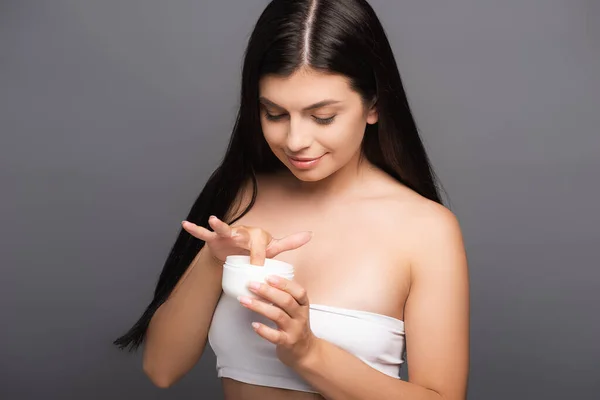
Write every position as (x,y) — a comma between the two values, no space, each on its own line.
(372,114)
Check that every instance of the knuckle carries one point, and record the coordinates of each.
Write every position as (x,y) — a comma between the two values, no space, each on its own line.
(291,338)
(279,339)
(279,316)
(258,233)
(289,301)
(302,293)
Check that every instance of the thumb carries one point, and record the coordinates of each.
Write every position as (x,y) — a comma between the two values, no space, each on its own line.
(290,242)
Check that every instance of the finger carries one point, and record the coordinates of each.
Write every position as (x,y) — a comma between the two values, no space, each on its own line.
(258,247)
(278,297)
(199,232)
(240,233)
(220,227)
(272,312)
(291,287)
(287,243)
(272,335)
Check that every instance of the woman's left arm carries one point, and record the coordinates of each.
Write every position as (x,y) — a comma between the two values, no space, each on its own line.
(436,322)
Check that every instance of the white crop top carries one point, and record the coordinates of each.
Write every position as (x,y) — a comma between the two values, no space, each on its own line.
(245,356)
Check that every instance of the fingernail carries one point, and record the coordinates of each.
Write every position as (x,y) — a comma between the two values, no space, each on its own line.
(212,217)
(273,279)
(255,325)
(245,300)
(254,285)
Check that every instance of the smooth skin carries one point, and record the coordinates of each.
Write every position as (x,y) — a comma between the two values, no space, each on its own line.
(357,238)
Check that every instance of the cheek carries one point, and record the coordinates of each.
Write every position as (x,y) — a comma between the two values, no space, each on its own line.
(273,133)
(344,137)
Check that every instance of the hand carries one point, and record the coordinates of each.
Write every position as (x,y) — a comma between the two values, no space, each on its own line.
(290,311)
(227,240)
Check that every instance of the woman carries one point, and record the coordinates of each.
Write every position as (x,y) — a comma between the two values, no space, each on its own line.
(325,170)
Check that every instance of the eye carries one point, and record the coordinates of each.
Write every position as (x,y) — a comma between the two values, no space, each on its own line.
(324,121)
(272,117)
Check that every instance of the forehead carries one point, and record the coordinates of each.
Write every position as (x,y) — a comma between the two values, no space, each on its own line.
(305,87)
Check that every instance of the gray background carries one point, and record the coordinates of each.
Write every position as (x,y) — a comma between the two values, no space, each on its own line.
(113,114)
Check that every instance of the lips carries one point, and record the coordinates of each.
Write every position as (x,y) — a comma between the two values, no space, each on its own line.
(304,162)
(304,159)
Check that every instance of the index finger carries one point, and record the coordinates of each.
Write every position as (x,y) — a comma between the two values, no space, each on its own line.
(258,248)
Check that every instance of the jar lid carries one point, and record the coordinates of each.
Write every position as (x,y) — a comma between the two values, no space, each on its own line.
(270,264)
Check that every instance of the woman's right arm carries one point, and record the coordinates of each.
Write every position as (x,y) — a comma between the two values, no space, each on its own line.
(178,331)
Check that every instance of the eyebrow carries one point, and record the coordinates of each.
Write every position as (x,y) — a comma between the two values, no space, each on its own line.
(320,104)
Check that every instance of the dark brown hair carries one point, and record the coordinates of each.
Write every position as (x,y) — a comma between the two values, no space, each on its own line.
(341,37)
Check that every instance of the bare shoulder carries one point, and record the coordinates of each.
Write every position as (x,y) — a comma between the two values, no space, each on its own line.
(428,226)
(434,225)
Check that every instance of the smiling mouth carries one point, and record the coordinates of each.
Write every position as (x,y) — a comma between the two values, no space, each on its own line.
(304,162)
(304,159)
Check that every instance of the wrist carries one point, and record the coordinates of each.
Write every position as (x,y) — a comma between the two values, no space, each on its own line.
(312,358)
(210,258)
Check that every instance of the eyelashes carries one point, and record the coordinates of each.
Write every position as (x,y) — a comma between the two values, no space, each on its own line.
(324,121)
(320,121)
(271,117)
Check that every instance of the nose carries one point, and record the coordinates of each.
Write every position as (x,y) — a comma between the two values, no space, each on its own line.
(298,137)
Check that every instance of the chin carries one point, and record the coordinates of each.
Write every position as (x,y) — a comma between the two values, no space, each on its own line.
(308,177)
(311,175)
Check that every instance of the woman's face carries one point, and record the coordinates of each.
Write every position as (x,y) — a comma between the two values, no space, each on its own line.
(313,122)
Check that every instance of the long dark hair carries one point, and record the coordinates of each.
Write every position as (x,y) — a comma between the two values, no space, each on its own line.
(341,37)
